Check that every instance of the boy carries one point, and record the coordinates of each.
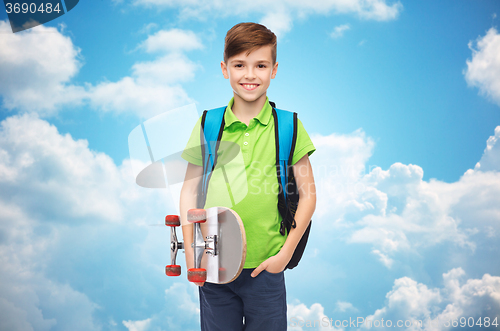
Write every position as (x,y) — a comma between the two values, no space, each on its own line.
(256,300)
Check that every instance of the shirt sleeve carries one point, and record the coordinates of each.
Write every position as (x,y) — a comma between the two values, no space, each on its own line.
(303,144)
(192,152)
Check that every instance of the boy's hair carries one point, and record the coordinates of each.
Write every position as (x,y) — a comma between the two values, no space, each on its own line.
(248,37)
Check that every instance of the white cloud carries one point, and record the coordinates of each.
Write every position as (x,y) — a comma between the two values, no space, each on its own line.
(414,303)
(409,225)
(28,299)
(36,67)
(414,214)
(392,211)
(379,10)
(408,300)
(43,170)
(284,11)
(483,70)
(154,86)
(338,164)
(174,40)
(137,325)
(147,28)
(418,214)
(343,306)
(130,96)
(395,211)
(474,200)
(279,22)
(490,161)
(180,311)
(61,208)
(386,260)
(338,31)
(168,69)
(186,302)
(300,317)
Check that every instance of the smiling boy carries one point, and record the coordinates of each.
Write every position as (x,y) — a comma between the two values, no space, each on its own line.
(256,300)
(250,75)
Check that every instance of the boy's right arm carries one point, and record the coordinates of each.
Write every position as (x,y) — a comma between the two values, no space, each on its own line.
(189,194)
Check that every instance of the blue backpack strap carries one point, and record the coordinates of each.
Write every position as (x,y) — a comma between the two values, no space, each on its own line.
(285,131)
(212,126)
(285,125)
(286,137)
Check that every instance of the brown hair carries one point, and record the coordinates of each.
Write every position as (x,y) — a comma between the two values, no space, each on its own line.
(248,37)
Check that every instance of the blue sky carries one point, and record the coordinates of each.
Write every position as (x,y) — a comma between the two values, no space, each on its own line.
(401,98)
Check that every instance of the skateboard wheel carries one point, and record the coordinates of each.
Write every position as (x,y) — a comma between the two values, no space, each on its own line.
(173,270)
(172,220)
(197,215)
(197,275)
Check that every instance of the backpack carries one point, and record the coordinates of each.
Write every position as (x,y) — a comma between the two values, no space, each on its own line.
(285,131)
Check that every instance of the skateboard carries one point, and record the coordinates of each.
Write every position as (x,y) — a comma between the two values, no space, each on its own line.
(219,245)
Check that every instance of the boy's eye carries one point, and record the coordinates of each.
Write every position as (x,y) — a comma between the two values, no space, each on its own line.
(261,66)
(238,65)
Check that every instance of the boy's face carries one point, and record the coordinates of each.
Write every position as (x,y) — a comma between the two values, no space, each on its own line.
(250,75)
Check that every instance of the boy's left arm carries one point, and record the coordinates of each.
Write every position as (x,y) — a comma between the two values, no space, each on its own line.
(305,209)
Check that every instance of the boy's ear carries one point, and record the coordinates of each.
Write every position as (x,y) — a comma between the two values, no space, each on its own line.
(275,70)
(223,66)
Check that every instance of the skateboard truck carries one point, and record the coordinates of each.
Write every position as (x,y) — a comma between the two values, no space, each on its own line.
(218,232)
(173,269)
(211,245)
(200,244)
(198,274)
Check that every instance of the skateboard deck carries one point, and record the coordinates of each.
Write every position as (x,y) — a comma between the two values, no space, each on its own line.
(219,245)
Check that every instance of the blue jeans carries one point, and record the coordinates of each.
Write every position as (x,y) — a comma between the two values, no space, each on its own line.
(247,303)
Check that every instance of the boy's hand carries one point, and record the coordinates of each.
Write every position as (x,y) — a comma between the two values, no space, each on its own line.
(274,264)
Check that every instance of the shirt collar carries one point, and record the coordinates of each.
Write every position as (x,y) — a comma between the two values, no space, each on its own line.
(263,117)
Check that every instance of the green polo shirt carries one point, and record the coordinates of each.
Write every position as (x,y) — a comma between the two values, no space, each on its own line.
(245,177)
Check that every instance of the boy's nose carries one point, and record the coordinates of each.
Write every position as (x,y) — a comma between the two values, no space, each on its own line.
(249,74)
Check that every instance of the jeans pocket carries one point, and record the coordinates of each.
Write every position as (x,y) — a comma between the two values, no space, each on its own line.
(273,279)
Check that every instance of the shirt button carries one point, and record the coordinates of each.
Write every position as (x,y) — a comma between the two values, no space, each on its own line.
(245,143)
(247,134)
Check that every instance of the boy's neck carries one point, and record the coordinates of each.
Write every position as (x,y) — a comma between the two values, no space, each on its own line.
(245,111)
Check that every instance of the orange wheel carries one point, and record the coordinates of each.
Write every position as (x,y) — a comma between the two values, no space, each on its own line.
(172,220)
(197,275)
(173,270)
(197,215)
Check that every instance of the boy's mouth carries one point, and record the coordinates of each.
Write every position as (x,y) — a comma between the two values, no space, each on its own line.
(249,87)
